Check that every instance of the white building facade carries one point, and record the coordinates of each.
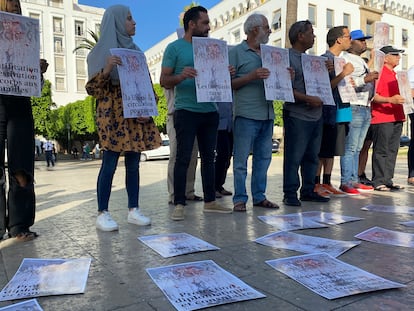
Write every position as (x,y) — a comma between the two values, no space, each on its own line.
(63,25)
(228,16)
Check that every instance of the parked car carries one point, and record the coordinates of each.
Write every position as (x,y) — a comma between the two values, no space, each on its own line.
(275,145)
(162,152)
(404,141)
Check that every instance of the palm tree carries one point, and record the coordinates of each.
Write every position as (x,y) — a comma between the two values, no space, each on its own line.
(86,43)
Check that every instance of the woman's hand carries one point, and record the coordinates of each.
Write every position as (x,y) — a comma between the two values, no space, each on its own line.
(111,61)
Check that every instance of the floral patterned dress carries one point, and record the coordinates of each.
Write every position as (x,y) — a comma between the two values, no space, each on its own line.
(117,133)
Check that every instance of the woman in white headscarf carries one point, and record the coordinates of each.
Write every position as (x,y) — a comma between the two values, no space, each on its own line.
(117,134)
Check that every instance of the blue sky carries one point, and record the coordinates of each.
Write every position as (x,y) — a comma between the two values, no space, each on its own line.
(156,19)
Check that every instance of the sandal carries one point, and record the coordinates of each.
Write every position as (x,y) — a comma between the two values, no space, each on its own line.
(26,236)
(266,204)
(195,198)
(395,187)
(239,207)
(382,188)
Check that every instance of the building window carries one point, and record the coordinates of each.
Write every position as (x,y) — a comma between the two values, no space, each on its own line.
(57,25)
(312,14)
(80,85)
(404,61)
(347,20)
(391,35)
(59,64)
(58,44)
(236,36)
(369,26)
(277,20)
(80,67)
(79,28)
(60,83)
(329,18)
(404,37)
(277,43)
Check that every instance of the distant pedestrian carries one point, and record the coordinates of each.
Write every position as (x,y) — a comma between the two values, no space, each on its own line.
(48,145)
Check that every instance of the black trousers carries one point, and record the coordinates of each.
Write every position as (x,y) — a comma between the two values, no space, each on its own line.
(224,151)
(17,212)
(386,141)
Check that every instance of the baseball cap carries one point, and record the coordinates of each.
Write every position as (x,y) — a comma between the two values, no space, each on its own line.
(388,49)
(359,35)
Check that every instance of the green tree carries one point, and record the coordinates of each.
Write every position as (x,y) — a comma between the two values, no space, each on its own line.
(88,44)
(161,120)
(278,108)
(41,107)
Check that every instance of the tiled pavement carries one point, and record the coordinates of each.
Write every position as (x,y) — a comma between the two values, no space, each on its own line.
(65,220)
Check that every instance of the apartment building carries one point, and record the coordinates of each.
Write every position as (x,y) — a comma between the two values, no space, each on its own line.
(228,16)
(63,25)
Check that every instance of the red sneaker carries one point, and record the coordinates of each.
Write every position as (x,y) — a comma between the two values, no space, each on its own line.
(349,190)
(362,187)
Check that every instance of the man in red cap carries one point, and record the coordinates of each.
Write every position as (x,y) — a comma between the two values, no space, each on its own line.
(387,121)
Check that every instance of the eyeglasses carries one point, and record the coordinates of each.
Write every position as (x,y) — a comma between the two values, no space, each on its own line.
(346,36)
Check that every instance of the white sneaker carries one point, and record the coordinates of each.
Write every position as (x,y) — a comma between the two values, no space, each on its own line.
(105,222)
(135,217)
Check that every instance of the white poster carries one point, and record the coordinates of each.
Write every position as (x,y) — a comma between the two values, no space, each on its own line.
(405,91)
(138,97)
(200,284)
(19,55)
(279,84)
(345,88)
(211,60)
(381,35)
(385,236)
(306,244)
(28,305)
(389,209)
(290,222)
(175,244)
(45,277)
(317,82)
(328,218)
(378,60)
(330,277)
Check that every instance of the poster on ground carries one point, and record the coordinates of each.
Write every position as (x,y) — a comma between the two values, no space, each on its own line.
(279,84)
(138,97)
(317,82)
(175,244)
(329,218)
(45,277)
(306,244)
(19,55)
(28,305)
(290,222)
(330,277)
(389,209)
(211,60)
(200,284)
(385,236)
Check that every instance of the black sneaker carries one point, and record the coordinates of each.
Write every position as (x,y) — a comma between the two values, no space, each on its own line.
(313,197)
(363,179)
(291,201)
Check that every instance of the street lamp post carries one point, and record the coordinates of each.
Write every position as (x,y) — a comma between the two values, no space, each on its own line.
(68,128)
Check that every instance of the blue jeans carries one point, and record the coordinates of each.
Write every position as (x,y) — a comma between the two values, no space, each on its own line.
(256,136)
(358,128)
(106,175)
(189,125)
(302,145)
